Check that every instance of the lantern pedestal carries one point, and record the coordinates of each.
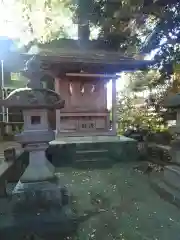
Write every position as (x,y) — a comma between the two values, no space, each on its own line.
(169,184)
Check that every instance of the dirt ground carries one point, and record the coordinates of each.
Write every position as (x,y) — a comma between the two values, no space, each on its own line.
(117,203)
(126,207)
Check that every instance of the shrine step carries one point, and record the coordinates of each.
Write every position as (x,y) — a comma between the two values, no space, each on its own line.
(92,146)
(66,151)
(92,159)
(93,163)
(91,154)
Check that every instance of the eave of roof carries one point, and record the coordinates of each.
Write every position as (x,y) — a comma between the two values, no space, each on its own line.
(72,59)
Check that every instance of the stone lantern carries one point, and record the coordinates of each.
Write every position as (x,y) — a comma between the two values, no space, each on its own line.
(167,185)
(172,172)
(38,197)
(36,135)
(35,102)
(173,102)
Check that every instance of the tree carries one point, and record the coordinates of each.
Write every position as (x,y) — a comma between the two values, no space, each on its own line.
(115,20)
(165,38)
(139,81)
(129,114)
(153,90)
(47,19)
(124,24)
(36,20)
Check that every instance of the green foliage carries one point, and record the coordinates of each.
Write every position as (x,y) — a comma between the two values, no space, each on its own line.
(138,81)
(129,114)
(116,21)
(153,84)
(123,23)
(51,19)
(126,23)
(165,37)
(38,20)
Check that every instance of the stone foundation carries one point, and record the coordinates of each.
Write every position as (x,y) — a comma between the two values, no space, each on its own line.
(92,150)
(39,196)
(37,208)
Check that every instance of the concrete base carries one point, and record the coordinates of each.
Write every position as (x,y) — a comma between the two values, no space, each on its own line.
(168,185)
(39,168)
(88,150)
(89,139)
(23,188)
(172,176)
(65,134)
(38,172)
(40,208)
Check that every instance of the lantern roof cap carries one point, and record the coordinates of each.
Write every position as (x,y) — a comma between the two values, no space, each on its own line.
(28,98)
(173,101)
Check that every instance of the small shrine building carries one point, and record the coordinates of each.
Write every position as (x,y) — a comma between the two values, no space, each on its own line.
(81,76)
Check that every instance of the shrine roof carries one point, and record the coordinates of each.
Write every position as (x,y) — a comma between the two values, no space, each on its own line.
(96,53)
(69,56)
(72,60)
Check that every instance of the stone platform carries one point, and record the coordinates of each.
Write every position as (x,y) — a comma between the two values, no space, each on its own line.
(36,208)
(89,150)
(166,184)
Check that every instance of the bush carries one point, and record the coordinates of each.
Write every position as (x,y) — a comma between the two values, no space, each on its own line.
(131,115)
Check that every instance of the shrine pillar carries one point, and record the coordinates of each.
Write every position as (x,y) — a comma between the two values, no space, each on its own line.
(114,107)
(58,114)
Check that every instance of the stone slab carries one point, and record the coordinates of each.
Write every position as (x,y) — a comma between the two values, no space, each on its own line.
(59,221)
(36,186)
(65,150)
(166,191)
(38,169)
(90,139)
(36,208)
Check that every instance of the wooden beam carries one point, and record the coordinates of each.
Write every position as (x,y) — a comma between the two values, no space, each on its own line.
(110,76)
(114,107)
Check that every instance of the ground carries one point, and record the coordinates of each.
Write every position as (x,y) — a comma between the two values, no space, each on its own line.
(119,203)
